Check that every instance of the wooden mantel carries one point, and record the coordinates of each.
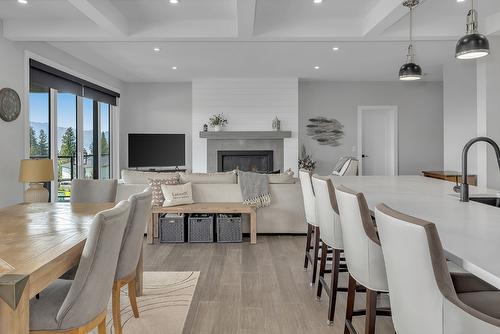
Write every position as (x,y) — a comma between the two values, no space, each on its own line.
(264,135)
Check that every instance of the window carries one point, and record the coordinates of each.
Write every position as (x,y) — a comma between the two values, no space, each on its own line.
(79,135)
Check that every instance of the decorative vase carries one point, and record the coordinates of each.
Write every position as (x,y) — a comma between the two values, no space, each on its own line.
(218,128)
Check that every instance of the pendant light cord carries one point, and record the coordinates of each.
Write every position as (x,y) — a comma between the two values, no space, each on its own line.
(410,55)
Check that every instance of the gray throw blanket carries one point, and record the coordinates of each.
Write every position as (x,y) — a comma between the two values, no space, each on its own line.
(254,189)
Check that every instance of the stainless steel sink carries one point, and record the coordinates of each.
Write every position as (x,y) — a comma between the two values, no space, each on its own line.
(488,200)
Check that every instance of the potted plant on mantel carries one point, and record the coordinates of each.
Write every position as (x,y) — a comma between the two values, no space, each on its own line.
(218,122)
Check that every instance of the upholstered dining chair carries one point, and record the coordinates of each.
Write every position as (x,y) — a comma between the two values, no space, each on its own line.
(312,226)
(140,212)
(425,298)
(363,255)
(93,191)
(331,236)
(78,306)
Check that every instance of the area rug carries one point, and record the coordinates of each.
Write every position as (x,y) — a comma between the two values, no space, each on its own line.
(164,306)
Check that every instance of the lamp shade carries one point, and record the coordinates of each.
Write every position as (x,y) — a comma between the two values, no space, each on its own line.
(36,170)
(472,46)
(410,72)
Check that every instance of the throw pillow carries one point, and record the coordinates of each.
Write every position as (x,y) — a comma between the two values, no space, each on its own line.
(286,177)
(156,184)
(177,194)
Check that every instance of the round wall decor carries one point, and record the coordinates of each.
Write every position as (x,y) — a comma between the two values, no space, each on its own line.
(10,104)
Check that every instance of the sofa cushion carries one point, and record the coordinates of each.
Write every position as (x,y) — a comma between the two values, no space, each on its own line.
(156,184)
(286,177)
(209,178)
(177,194)
(140,177)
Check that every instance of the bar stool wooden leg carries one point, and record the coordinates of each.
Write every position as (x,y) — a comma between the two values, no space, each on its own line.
(316,254)
(371,311)
(322,267)
(351,296)
(101,328)
(308,246)
(334,285)
(115,303)
(133,297)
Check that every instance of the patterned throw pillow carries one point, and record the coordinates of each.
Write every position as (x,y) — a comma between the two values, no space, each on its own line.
(155,185)
(177,194)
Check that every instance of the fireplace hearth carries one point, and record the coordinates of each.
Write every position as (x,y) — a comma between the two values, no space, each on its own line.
(247,161)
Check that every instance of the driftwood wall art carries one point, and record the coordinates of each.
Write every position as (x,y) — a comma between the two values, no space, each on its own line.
(326,131)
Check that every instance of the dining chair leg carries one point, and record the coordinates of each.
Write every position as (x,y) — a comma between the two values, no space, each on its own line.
(316,254)
(334,285)
(101,328)
(132,296)
(351,295)
(115,305)
(371,311)
(308,246)
(322,267)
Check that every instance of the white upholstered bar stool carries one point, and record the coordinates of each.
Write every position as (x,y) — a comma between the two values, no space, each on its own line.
(363,255)
(331,236)
(312,225)
(425,298)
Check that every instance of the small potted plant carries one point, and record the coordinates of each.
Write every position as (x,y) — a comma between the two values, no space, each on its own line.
(217,122)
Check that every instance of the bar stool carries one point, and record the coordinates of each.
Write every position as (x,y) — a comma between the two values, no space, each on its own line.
(331,236)
(364,257)
(425,298)
(312,225)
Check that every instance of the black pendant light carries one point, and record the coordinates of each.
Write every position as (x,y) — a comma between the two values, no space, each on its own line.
(410,71)
(473,45)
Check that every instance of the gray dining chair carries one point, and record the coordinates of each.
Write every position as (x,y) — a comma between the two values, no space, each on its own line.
(130,253)
(425,296)
(78,306)
(93,191)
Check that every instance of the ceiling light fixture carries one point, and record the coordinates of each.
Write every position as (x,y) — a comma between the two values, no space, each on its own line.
(156,49)
(473,45)
(23,2)
(173,2)
(335,48)
(410,71)
(317,2)
(174,67)
(316,67)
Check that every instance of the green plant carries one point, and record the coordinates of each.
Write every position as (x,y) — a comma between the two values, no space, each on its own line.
(217,120)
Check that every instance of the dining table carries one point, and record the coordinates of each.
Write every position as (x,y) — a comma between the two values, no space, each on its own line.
(39,242)
(469,231)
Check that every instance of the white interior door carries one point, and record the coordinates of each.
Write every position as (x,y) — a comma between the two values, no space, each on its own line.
(377,140)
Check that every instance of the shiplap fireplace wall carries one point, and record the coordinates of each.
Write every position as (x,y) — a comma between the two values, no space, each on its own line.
(249,105)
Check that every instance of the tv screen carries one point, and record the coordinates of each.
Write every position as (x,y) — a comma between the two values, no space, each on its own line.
(156,150)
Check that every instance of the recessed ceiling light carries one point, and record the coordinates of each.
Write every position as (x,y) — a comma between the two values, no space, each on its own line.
(316,67)
(335,48)
(23,2)
(174,67)
(317,1)
(156,49)
(173,2)
(460,0)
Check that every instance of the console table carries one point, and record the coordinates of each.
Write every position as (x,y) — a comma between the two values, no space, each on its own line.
(216,207)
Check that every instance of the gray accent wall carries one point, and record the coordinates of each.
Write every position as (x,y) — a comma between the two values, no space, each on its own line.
(420,119)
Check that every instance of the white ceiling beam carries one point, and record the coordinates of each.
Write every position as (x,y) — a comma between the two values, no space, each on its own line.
(382,16)
(246,17)
(104,14)
(492,25)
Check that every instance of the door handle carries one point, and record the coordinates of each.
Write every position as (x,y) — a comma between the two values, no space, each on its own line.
(364,156)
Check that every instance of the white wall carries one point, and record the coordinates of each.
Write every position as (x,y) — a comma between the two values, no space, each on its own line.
(249,105)
(420,118)
(12,135)
(155,108)
(460,113)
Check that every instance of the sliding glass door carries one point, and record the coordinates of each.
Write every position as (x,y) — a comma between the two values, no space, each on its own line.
(67,167)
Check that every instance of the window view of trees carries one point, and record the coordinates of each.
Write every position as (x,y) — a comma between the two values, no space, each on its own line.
(39,145)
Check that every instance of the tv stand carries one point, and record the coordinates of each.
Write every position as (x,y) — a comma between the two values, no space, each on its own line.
(170,170)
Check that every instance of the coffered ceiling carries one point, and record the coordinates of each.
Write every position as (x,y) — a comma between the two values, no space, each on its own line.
(219,38)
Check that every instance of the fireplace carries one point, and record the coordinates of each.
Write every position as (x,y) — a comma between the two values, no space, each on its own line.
(253,161)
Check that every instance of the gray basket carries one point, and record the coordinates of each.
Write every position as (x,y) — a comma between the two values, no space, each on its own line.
(171,228)
(200,228)
(229,228)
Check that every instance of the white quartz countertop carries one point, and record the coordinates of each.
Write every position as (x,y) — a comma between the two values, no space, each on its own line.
(468,231)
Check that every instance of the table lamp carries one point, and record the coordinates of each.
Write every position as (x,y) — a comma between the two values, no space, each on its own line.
(36,171)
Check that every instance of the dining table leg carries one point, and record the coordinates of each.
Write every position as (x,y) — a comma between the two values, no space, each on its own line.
(14,304)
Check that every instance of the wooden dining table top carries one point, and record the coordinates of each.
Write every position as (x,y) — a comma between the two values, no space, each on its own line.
(35,234)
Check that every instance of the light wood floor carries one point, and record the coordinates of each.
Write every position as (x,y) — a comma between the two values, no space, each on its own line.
(254,289)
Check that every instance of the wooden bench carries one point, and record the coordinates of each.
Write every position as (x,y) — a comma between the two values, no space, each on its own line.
(216,207)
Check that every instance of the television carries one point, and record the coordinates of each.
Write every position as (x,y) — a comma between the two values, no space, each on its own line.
(156,150)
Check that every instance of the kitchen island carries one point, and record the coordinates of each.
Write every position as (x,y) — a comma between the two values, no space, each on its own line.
(470,232)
